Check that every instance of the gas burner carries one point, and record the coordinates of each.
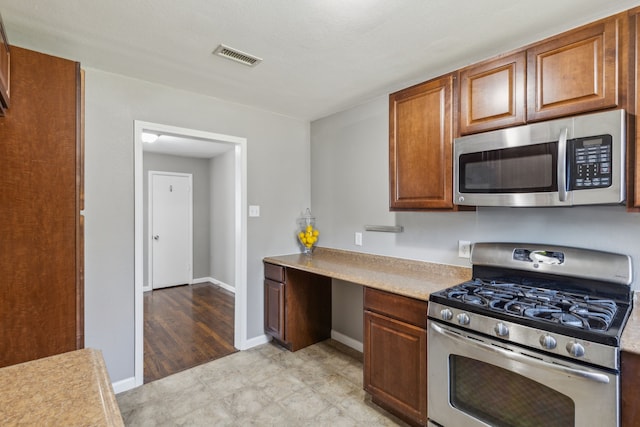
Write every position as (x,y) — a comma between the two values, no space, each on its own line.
(537,302)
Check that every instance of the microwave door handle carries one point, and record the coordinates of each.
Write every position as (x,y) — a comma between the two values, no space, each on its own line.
(512,355)
(562,166)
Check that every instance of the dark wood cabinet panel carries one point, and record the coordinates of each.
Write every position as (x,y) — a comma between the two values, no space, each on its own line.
(575,72)
(420,146)
(298,311)
(307,308)
(633,157)
(41,292)
(395,354)
(629,384)
(493,94)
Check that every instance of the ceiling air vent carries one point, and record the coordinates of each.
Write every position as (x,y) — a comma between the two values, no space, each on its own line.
(236,55)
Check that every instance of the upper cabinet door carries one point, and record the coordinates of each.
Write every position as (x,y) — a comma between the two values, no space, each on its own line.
(420,146)
(574,73)
(493,94)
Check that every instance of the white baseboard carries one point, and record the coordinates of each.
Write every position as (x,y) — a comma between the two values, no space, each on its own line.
(124,385)
(254,342)
(348,341)
(223,285)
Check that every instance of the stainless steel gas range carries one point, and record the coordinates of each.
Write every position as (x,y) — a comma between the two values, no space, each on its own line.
(532,340)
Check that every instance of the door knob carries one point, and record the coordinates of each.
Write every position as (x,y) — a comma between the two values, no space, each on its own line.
(156,237)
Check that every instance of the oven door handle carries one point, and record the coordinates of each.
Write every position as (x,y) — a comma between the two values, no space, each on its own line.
(593,376)
(562,166)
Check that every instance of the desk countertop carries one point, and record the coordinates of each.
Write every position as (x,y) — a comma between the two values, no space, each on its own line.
(69,389)
(410,278)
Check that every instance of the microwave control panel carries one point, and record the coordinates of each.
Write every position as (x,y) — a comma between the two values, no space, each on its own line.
(590,162)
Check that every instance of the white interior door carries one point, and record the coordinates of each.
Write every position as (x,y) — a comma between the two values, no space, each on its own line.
(170,229)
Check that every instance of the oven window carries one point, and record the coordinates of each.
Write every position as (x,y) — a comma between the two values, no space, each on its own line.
(531,168)
(503,398)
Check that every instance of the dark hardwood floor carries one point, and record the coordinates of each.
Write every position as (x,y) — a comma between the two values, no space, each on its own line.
(185,326)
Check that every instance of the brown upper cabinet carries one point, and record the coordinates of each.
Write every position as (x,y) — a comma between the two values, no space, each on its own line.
(575,72)
(586,69)
(493,94)
(572,73)
(4,69)
(420,146)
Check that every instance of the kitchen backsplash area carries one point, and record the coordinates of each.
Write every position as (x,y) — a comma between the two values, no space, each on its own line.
(350,190)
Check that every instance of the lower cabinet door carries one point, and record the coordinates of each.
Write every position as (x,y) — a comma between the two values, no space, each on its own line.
(274,309)
(629,383)
(395,366)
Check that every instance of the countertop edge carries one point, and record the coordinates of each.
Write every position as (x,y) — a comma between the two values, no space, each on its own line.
(110,404)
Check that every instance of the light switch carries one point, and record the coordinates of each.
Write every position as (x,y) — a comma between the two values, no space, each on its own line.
(254,210)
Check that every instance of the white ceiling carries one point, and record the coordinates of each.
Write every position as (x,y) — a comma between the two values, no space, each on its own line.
(319,56)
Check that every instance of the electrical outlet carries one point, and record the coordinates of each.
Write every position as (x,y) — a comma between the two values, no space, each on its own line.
(358,239)
(464,249)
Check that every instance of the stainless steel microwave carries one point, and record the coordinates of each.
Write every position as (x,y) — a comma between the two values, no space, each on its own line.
(571,161)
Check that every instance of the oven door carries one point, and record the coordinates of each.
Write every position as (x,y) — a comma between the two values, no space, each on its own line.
(477,381)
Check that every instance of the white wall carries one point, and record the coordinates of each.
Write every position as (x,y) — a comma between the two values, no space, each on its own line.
(278,180)
(349,177)
(222,237)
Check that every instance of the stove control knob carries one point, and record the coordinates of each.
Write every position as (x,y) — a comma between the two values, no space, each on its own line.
(501,329)
(575,349)
(548,342)
(446,314)
(463,318)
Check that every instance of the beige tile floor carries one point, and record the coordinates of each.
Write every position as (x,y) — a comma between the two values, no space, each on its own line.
(320,385)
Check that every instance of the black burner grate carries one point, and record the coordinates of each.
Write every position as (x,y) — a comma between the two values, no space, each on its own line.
(528,301)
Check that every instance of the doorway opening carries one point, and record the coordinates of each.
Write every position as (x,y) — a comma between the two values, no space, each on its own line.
(185,142)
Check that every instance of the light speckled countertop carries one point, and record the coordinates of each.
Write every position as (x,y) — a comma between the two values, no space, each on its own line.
(631,335)
(410,278)
(69,389)
(406,277)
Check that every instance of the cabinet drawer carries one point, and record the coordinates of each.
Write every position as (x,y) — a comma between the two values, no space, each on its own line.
(410,310)
(274,272)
